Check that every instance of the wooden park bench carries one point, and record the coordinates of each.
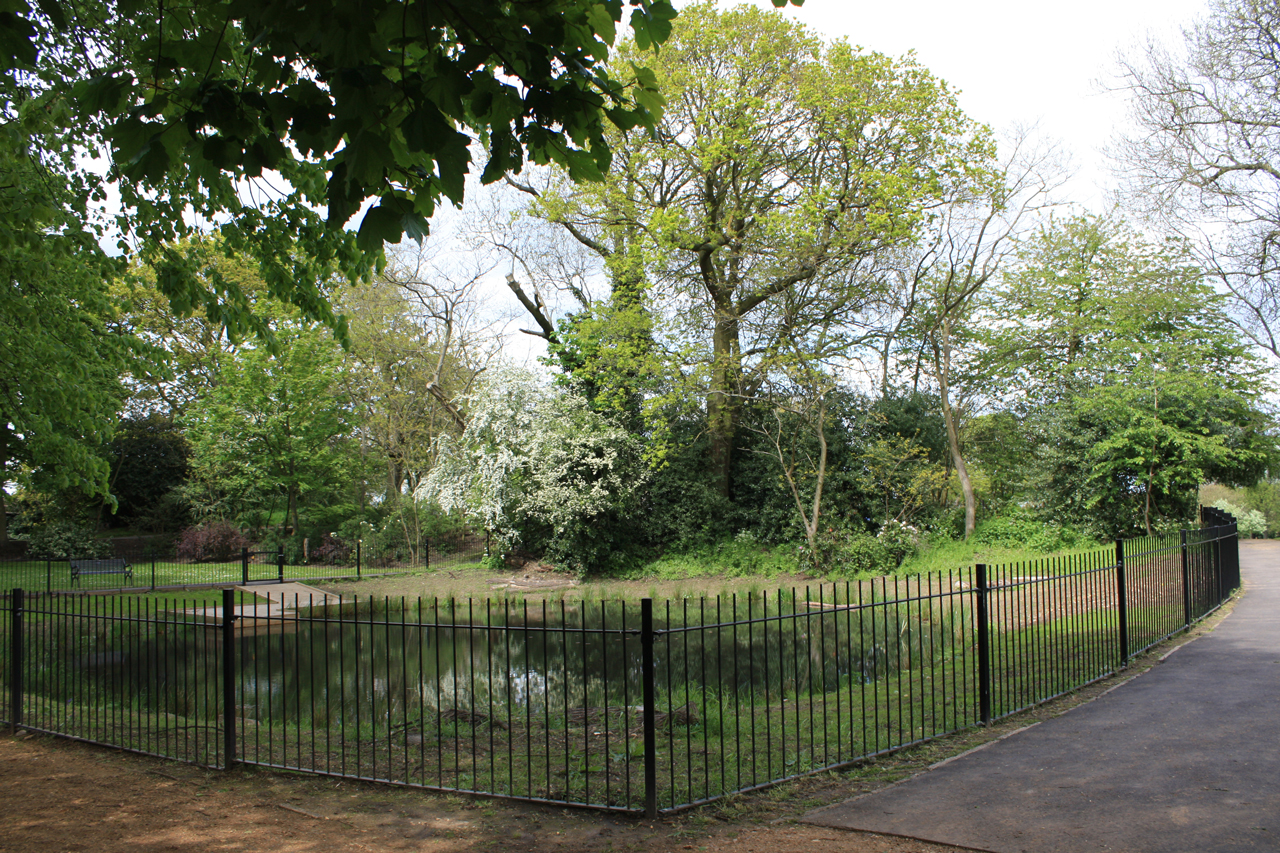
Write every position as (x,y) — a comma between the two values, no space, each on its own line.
(117,566)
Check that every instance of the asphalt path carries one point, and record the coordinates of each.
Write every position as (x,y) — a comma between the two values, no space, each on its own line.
(1185,757)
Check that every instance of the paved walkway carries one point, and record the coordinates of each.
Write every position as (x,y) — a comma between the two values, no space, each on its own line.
(279,599)
(1185,757)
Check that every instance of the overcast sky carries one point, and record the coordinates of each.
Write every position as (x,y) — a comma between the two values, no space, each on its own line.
(1018,62)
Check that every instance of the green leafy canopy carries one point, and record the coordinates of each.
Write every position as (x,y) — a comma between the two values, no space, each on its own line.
(349,101)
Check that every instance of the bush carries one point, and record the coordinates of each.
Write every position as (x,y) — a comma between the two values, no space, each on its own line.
(331,551)
(1249,522)
(63,540)
(899,540)
(840,552)
(215,542)
(1020,529)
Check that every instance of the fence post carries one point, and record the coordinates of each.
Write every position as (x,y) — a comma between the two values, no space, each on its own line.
(649,714)
(48,571)
(280,564)
(984,645)
(1186,582)
(153,567)
(1233,560)
(228,678)
(358,542)
(244,565)
(16,655)
(1122,604)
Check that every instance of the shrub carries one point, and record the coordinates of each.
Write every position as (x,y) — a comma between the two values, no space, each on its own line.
(899,540)
(329,550)
(1249,522)
(841,552)
(63,540)
(217,541)
(1020,529)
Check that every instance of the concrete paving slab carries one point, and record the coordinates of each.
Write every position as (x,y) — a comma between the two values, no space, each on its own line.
(278,600)
(1185,757)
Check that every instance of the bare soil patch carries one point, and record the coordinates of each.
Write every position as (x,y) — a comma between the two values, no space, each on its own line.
(60,796)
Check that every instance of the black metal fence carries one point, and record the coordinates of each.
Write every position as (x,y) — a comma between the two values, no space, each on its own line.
(631,706)
(163,568)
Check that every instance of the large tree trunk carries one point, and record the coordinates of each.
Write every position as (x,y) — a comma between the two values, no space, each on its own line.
(942,363)
(722,400)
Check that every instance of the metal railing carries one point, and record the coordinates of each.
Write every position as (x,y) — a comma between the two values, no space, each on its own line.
(154,568)
(641,707)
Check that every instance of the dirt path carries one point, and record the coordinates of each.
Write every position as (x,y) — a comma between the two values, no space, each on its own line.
(59,796)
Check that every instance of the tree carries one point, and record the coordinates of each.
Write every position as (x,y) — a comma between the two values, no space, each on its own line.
(1103,343)
(150,463)
(799,421)
(346,101)
(962,248)
(534,455)
(193,346)
(780,168)
(415,353)
(1130,456)
(275,431)
(1205,154)
(278,122)
(62,352)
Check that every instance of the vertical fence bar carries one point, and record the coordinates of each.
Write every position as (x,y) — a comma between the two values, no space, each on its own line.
(984,645)
(358,555)
(1186,580)
(1122,604)
(1232,574)
(229,675)
(153,568)
(649,719)
(48,572)
(280,564)
(244,565)
(1219,569)
(17,664)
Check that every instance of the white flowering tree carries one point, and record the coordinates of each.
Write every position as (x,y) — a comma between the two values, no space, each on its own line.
(531,454)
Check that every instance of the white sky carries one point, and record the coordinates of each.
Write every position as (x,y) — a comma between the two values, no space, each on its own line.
(1019,62)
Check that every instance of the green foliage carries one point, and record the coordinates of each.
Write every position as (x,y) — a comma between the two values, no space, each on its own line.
(1264,496)
(1107,340)
(840,552)
(62,539)
(1022,530)
(883,462)
(347,102)
(741,556)
(899,540)
(63,355)
(149,467)
(194,342)
(1001,448)
(779,166)
(1249,522)
(275,433)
